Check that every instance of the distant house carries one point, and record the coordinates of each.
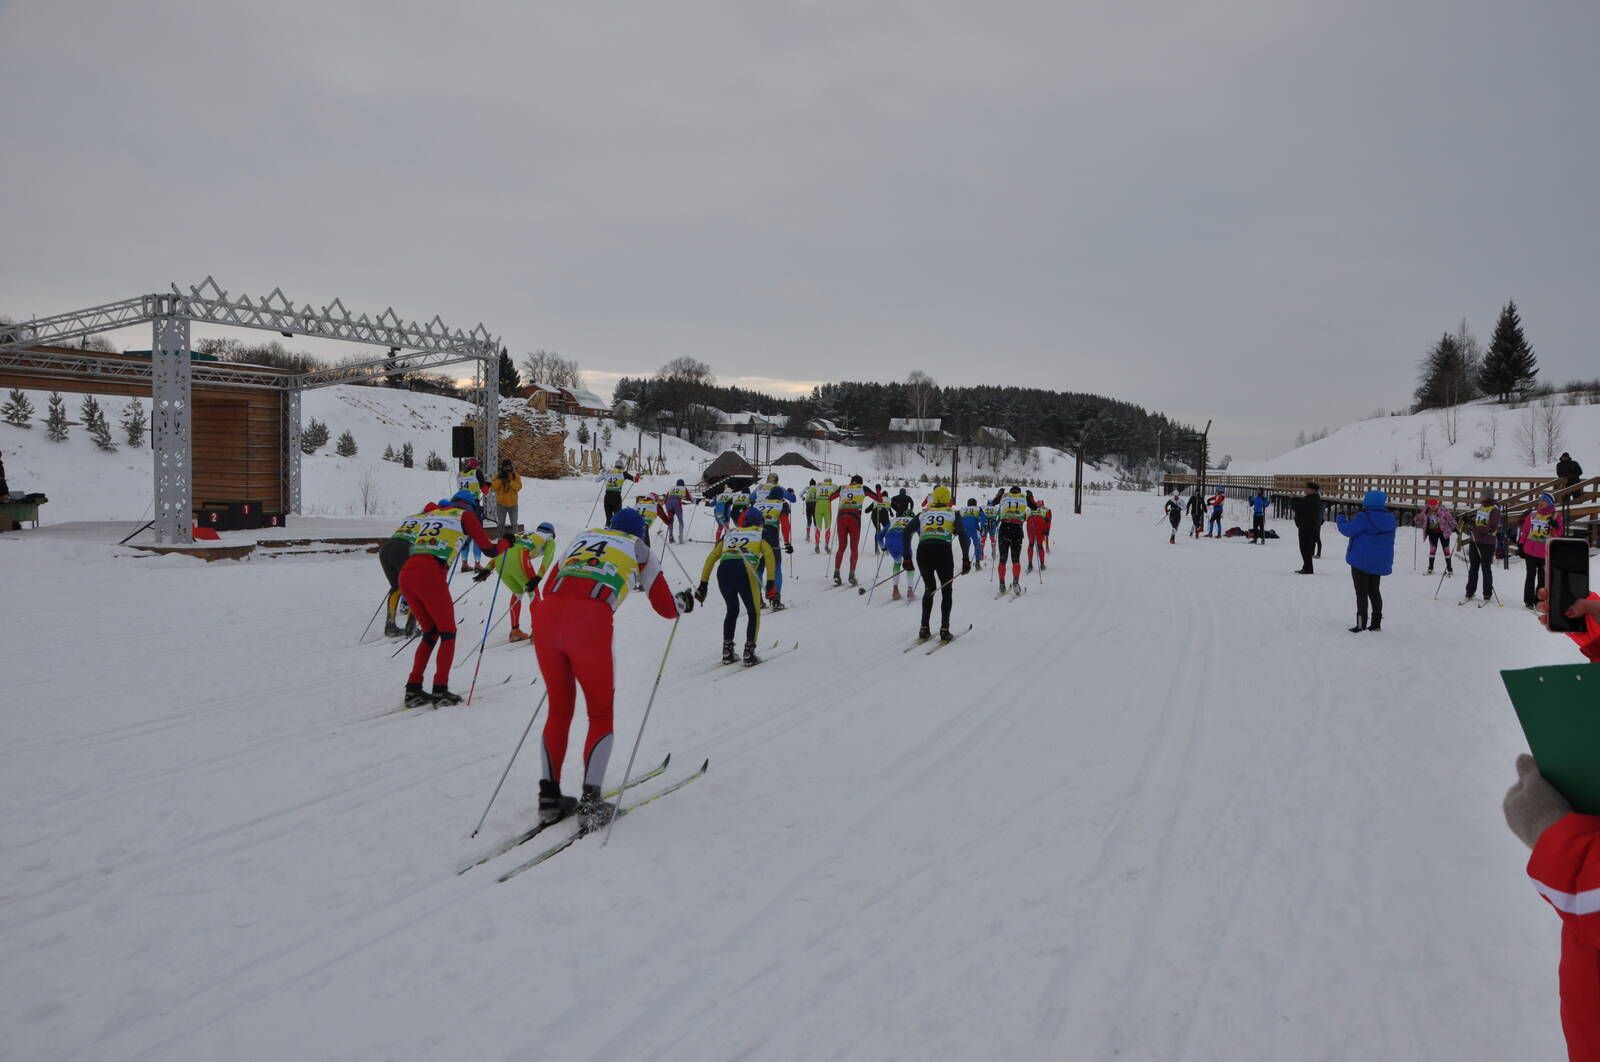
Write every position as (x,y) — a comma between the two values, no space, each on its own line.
(822,428)
(751,423)
(993,437)
(729,468)
(554,401)
(584,403)
(912,429)
(797,460)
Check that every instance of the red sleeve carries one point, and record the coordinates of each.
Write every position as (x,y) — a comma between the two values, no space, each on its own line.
(527,565)
(783,523)
(474,529)
(1588,640)
(1565,866)
(661,598)
(835,495)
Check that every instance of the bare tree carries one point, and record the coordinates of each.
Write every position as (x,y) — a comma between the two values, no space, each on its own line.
(367,491)
(1526,436)
(551,369)
(1491,428)
(1422,444)
(921,390)
(1450,423)
(1551,418)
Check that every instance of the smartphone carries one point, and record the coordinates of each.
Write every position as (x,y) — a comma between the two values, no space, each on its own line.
(1567,579)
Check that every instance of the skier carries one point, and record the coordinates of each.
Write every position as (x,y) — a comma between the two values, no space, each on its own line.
(901,503)
(892,540)
(441,532)
(934,527)
(676,500)
(774,513)
(1013,513)
(392,555)
(572,635)
(808,501)
(850,498)
(720,507)
(1370,555)
(470,479)
(1197,513)
(1538,527)
(737,557)
(1038,529)
(1214,530)
(991,522)
(881,517)
(972,523)
(516,569)
(1484,524)
(824,516)
(1174,510)
(617,481)
(1438,525)
(1258,517)
(649,508)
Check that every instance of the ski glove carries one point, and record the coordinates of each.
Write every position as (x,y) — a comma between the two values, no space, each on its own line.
(788,547)
(686,601)
(966,565)
(772,591)
(700,593)
(1533,804)
(479,577)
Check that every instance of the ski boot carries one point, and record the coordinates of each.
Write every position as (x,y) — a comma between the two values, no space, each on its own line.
(553,807)
(594,811)
(442,696)
(1360,626)
(517,635)
(836,580)
(728,655)
(853,578)
(1430,565)
(776,604)
(897,595)
(1016,588)
(416,696)
(945,635)
(1030,567)
(1002,585)
(411,627)
(1376,624)
(750,657)
(390,630)
(924,634)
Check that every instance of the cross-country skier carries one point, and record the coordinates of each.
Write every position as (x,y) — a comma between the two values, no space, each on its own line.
(1013,514)
(881,516)
(991,522)
(1438,525)
(1174,515)
(892,540)
(824,516)
(1216,501)
(392,556)
(617,481)
(737,558)
(901,503)
(850,498)
(736,507)
(516,568)
(572,635)
(1538,527)
(972,523)
(774,512)
(722,502)
(808,501)
(1484,524)
(676,500)
(934,527)
(441,534)
(471,480)
(1038,530)
(1197,513)
(648,507)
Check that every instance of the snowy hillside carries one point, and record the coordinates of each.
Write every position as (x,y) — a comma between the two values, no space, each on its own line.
(1487,443)
(1162,807)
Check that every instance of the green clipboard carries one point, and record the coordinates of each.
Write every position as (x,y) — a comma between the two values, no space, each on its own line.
(1559,708)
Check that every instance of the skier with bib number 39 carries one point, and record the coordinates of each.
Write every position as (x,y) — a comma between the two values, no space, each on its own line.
(934,527)
(572,635)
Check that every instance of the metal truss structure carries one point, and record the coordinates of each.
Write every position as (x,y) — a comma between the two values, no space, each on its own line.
(171,373)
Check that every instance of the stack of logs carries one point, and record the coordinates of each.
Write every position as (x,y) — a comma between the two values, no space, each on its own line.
(534,441)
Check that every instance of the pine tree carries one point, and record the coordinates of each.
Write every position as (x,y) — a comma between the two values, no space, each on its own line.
(314,438)
(435,463)
(18,410)
(55,421)
(100,432)
(1444,375)
(510,378)
(583,434)
(605,437)
(347,445)
(134,423)
(388,453)
(1510,367)
(408,458)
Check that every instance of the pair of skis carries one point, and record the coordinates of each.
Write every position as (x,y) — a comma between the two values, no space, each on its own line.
(938,643)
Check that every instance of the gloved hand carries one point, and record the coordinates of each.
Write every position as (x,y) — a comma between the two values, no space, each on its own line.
(686,602)
(700,593)
(533,586)
(772,591)
(788,547)
(479,577)
(966,565)
(1532,805)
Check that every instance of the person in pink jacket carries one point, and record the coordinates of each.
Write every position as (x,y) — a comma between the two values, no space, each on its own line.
(1438,525)
(1540,525)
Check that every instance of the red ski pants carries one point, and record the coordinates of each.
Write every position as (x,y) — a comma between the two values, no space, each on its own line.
(849,534)
(427,592)
(572,637)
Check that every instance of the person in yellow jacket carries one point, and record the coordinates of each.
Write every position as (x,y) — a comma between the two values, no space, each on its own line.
(737,557)
(507,486)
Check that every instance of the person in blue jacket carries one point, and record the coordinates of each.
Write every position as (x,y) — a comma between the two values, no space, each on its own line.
(973,521)
(1258,518)
(1370,555)
(892,540)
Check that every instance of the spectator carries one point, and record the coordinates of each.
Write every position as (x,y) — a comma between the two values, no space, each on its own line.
(1258,517)
(1568,471)
(1565,867)
(1370,555)
(1308,522)
(1540,525)
(1484,523)
(507,486)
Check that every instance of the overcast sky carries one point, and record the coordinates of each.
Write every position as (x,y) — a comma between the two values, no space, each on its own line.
(1256,212)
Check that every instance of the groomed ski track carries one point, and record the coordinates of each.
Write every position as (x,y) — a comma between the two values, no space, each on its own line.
(1162,807)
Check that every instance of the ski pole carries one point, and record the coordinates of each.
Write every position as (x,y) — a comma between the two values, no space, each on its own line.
(589,521)
(876,581)
(382,601)
(506,773)
(627,771)
(493,597)
(692,580)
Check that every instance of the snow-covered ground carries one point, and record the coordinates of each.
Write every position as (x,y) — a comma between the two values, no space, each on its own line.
(1161,807)
(1488,442)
